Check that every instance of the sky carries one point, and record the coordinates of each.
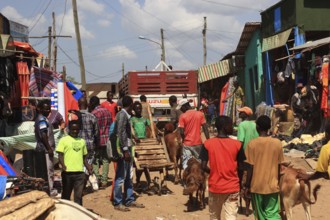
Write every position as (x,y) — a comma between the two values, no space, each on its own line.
(110,31)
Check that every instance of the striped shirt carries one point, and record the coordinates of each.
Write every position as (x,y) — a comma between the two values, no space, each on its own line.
(90,131)
(104,121)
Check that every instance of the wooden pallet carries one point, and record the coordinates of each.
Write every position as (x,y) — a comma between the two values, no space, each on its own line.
(152,157)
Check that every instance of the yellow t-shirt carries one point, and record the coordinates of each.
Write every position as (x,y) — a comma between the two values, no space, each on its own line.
(323,163)
(74,150)
(265,154)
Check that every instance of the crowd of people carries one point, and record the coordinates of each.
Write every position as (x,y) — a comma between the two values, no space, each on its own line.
(247,166)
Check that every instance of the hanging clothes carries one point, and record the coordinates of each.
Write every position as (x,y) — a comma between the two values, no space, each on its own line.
(42,81)
(325,89)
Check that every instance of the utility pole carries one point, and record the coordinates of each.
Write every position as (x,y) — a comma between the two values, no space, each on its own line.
(54,43)
(80,52)
(123,70)
(163,47)
(204,40)
(49,44)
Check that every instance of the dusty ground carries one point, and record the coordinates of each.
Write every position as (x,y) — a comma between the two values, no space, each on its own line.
(172,206)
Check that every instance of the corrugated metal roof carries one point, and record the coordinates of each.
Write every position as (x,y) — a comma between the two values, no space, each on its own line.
(313,44)
(243,43)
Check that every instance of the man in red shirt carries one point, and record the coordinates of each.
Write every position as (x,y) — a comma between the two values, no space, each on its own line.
(190,123)
(223,155)
(110,105)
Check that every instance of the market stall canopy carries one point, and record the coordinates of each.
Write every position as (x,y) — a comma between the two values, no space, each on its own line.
(214,70)
(275,41)
(26,47)
(313,44)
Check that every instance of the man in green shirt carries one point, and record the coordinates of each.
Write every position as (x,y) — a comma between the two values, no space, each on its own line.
(138,122)
(72,152)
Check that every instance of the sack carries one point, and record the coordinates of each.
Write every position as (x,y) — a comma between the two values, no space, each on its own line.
(111,150)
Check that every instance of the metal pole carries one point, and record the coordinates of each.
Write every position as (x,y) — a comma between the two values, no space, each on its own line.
(80,52)
(163,47)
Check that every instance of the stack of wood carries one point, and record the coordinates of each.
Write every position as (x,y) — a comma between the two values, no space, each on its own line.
(29,205)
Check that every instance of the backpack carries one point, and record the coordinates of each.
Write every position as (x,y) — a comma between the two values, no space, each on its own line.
(111,149)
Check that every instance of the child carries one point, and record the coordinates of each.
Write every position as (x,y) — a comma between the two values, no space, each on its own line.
(72,152)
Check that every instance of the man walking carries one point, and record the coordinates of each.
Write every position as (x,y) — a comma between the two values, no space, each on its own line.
(175,113)
(72,152)
(223,155)
(45,140)
(104,121)
(264,155)
(110,105)
(189,126)
(124,164)
(90,129)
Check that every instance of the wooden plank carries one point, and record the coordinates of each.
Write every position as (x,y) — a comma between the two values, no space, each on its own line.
(154,157)
(143,152)
(149,147)
(152,161)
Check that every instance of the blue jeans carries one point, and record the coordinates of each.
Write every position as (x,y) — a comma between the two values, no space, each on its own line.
(189,152)
(123,176)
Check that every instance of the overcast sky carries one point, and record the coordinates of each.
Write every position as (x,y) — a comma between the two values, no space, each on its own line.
(110,30)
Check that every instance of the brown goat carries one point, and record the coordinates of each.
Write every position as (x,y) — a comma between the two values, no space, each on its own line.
(195,181)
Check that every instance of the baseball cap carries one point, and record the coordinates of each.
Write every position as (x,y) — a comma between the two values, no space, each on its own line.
(181,103)
(246,110)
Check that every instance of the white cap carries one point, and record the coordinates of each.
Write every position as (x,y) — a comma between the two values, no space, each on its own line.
(181,103)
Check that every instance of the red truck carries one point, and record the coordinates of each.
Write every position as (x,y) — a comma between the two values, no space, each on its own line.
(158,86)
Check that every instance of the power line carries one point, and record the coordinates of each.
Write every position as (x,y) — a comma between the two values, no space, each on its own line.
(232,6)
(76,62)
(30,29)
(63,16)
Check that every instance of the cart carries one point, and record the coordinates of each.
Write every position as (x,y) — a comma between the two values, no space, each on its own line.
(153,156)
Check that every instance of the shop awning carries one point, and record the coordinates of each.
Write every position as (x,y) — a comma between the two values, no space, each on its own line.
(313,44)
(214,70)
(26,47)
(275,41)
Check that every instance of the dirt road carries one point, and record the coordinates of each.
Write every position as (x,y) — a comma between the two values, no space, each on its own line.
(172,206)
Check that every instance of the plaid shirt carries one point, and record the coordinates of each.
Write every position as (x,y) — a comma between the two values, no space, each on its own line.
(90,130)
(104,121)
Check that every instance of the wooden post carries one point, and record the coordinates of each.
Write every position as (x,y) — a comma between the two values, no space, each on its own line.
(54,43)
(163,47)
(80,52)
(49,46)
(204,40)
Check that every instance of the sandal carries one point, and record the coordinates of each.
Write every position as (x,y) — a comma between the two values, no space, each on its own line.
(122,208)
(135,205)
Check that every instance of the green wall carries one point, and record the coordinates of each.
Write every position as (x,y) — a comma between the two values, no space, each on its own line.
(254,94)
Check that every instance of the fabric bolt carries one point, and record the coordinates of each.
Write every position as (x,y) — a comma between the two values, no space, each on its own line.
(90,131)
(266,206)
(246,132)
(42,81)
(73,181)
(191,121)
(112,107)
(222,154)
(323,162)
(265,155)
(139,125)
(227,201)
(189,152)
(104,121)
(74,149)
